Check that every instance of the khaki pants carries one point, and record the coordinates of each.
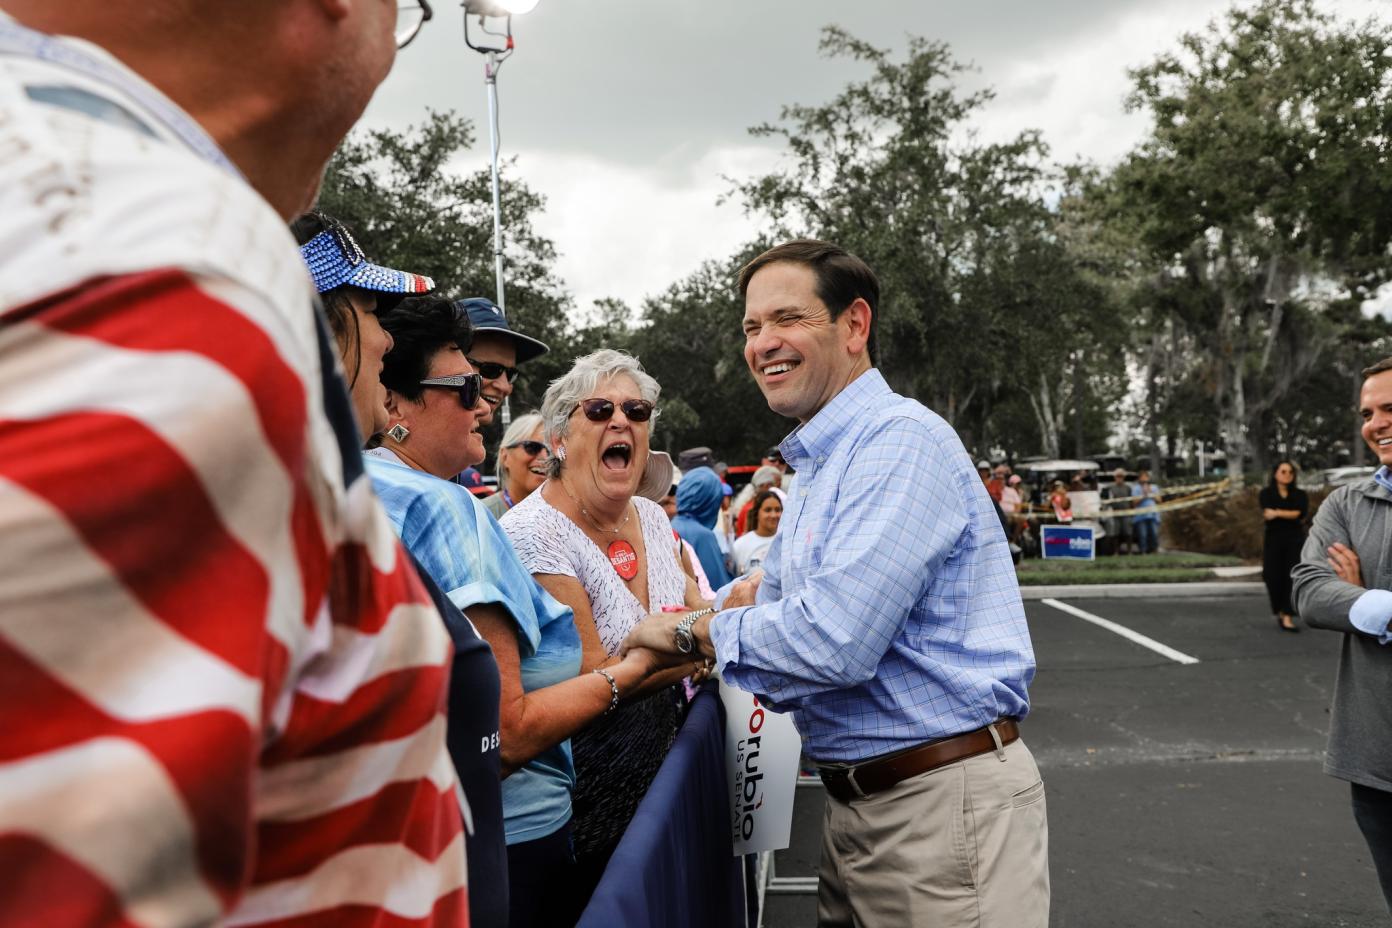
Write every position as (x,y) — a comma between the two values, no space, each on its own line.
(963,846)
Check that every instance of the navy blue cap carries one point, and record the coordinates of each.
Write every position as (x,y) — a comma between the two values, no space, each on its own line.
(485,316)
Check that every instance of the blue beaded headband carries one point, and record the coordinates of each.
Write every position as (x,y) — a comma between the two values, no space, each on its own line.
(335,260)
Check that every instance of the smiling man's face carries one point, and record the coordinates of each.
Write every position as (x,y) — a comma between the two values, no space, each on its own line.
(1375,408)
(800,357)
(497,350)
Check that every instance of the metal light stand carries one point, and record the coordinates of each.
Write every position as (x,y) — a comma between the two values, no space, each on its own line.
(493,58)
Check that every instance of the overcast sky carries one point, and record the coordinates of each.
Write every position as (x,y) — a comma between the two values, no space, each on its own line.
(626,114)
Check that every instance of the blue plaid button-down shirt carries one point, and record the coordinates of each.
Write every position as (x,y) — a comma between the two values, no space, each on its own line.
(889,613)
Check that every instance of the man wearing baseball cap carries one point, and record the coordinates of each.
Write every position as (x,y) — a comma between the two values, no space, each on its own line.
(497,351)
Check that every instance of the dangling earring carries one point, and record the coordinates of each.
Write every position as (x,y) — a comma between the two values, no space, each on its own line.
(398,433)
(560,452)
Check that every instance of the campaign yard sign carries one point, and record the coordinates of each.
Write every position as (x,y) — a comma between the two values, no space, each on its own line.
(1071,541)
(762,748)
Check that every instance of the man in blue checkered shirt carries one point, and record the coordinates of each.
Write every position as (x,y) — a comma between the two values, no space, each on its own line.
(888,622)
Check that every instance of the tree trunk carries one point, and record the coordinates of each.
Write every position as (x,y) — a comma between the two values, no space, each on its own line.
(1042,405)
(1153,405)
(1077,407)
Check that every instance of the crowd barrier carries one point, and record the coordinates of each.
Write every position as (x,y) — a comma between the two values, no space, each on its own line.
(675,866)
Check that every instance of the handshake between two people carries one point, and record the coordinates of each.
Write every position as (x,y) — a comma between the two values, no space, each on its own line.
(662,633)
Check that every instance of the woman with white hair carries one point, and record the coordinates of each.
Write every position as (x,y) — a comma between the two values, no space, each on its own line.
(522,462)
(604,549)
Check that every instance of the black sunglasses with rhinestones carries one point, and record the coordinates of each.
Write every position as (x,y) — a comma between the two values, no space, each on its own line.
(466,386)
(601,410)
(532,448)
(492,370)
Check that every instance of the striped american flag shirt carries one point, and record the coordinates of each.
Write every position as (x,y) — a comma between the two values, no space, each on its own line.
(221,681)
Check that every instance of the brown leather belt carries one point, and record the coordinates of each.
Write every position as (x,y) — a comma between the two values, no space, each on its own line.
(856,781)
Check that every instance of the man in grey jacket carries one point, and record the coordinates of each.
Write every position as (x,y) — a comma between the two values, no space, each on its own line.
(1344,583)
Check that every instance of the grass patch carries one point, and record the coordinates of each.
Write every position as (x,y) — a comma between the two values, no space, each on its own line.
(1117,575)
(1170,567)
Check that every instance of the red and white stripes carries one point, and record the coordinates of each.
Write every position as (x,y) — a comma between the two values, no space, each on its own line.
(221,685)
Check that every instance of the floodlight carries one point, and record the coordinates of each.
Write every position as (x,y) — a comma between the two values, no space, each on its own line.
(494,56)
(498,8)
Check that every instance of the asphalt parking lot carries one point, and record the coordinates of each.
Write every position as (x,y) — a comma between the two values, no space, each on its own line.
(1180,794)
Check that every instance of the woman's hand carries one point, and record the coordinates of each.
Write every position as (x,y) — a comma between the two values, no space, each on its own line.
(1268,514)
(1345,563)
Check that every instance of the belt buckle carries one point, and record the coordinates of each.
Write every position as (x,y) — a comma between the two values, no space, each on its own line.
(847,774)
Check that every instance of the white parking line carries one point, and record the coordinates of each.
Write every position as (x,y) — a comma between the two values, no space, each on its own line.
(1163,649)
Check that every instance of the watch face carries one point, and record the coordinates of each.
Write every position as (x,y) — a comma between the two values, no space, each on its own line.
(684,641)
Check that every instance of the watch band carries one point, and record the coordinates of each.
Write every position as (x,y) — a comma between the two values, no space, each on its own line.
(683,631)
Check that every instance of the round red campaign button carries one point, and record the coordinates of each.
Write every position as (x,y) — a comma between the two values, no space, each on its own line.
(624,559)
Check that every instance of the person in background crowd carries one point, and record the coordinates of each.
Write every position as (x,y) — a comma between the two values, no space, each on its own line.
(1334,591)
(725,520)
(767,477)
(1116,496)
(669,501)
(690,564)
(355,293)
(168,756)
(889,624)
(724,533)
(1284,507)
(983,470)
(496,354)
(595,541)
(698,503)
(1010,500)
(996,485)
(751,547)
(1063,505)
(1146,524)
(692,458)
(1013,508)
(436,402)
(521,466)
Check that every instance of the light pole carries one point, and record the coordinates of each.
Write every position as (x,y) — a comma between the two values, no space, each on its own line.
(493,58)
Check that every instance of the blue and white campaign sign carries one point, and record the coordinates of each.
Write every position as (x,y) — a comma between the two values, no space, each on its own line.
(1075,541)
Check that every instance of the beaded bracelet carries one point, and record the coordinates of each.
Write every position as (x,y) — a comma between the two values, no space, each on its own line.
(613,688)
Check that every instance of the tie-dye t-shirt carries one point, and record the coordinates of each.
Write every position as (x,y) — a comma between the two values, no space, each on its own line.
(463,548)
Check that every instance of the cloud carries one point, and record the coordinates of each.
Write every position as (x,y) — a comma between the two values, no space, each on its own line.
(626,113)
(631,232)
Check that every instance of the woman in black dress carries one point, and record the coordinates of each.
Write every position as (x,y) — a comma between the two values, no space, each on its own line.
(1283,506)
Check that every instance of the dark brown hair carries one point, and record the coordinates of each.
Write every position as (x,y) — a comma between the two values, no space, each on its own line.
(420,326)
(841,278)
(763,497)
(1384,365)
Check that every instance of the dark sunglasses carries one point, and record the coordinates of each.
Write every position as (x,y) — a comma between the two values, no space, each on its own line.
(466,386)
(530,447)
(598,410)
(492,370)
